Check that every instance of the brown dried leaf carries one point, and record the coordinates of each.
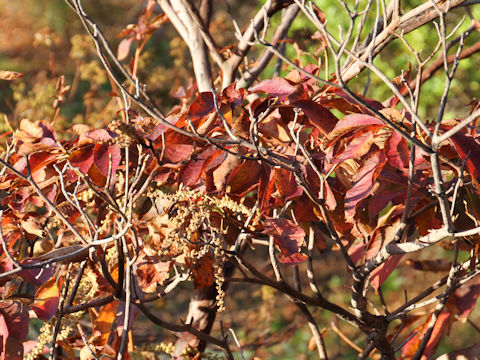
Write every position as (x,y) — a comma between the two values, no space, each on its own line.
(10,75)
(31,226)
(29,131)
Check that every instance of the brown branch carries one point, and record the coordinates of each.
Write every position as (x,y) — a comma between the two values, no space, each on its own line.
(231,66)
(181,18)
(286,289)
(205,11)
(202,26)
(287,19)
(186,328)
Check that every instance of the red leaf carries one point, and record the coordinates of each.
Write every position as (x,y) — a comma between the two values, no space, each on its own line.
(15,315)
(10,346)
(319,115)
(412,345)
(330,200)
(266,186)
(36,276)
(381,273)
(47,298)
(151,271)
(3,337)
(288,236)
(203,272)
(466,297)
(358,147)
(13,324)
(191,172)
(398,153)
(14,349)
(176,153)
(349,100)
(82,159)
(277,87)
(45,144)
(245,177)
(286,184)
(234,95)
(153,132)
(363,181)
(297,77)
(467,146)
(124,48)
(94,136)
(37,163)
(120,316)
(202,105)
(350,123)
(393,187)
(223,172)
(103,154)
(356,252)
(292,259)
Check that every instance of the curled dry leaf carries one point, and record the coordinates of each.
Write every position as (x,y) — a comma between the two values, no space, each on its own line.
(29,131)
(10,75)
(31,226)
(88,353)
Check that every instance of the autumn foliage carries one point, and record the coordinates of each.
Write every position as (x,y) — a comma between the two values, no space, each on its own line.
(260,186)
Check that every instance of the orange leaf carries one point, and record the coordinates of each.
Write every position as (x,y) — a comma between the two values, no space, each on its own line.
(105,319)
(47,298)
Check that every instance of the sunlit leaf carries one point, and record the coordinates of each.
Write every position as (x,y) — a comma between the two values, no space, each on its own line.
(47,299)
(124,48)
(277,87)
(104,322)
(10,75)
(288,236)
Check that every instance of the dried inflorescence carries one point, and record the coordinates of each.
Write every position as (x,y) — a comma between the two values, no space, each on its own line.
(185,222)
(85,292)
(188,232)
